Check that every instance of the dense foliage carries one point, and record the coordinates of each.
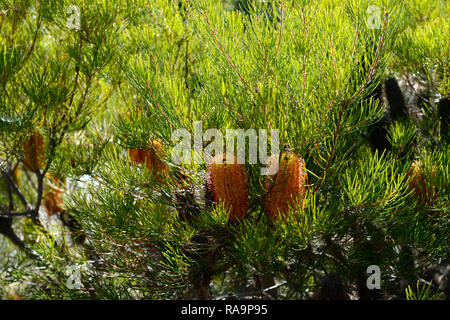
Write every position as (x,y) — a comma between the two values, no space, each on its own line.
(94,206)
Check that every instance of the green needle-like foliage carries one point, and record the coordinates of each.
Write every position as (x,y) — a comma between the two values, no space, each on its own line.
(102,80)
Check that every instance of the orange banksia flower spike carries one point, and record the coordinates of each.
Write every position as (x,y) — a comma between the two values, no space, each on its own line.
(227,183)
(134,155)
(288,187)
(152,160)
(149,157)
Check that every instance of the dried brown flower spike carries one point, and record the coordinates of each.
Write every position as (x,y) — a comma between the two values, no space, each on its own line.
(287,187)
(227,182)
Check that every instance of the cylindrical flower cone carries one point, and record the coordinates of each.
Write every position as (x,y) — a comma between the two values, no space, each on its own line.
(287,188)
(228,184)
(149,157)
(134,155)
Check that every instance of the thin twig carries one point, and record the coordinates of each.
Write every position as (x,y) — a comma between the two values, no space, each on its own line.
(281,29)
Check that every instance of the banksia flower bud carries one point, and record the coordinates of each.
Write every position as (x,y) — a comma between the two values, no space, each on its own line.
(149,158)
(16,176)
(422,189)
(34,152)
(287,188)
(227,183)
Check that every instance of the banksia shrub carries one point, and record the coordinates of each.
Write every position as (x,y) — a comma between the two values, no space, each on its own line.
(149,158)
(227,183)
(287,187)
(34,152)
(105,80)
